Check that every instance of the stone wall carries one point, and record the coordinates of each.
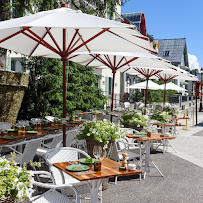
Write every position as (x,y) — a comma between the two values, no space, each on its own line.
(12,88)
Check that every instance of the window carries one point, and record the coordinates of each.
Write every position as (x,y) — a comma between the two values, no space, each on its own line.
(166,53)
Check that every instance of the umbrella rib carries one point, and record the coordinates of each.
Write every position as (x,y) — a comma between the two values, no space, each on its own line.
(40,41)
(37,45)
(77,30)
(83,42)
(91,60)
(120,62)
(102,61)
(48,30)
(108,59)
(90,39)
(132,42)
(13,35)
(128,62)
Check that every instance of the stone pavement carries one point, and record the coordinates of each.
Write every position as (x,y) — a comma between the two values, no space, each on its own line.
(189,144)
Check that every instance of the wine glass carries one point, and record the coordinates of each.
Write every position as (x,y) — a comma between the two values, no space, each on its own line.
(99,152)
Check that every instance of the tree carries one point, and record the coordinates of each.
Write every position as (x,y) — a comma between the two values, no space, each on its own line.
(44,93)
(194,71)
(82,94)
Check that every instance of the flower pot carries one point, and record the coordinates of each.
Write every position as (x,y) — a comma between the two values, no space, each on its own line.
(91,142)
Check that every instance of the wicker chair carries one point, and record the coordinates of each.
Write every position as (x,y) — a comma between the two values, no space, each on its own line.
(52,196)
(72,141)
(121,145)
(56,140)
(64,154)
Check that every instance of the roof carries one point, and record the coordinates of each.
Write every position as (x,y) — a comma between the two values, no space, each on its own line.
(174,50)
(135,18)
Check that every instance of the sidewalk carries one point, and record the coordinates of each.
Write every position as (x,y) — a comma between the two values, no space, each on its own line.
(189,145)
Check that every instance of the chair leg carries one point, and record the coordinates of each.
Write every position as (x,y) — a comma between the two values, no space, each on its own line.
(36,174)
(116,178)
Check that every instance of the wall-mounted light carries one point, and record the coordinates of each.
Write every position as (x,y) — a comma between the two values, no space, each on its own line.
(116,84)
(103,82)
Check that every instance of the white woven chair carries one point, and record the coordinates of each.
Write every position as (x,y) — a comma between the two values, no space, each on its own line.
(72,141)
(87,116)
(52,196)
(56,140)
(30,147)
(121,145)
(64,154)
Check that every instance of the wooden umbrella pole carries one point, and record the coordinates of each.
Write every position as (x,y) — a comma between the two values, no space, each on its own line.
(64,59)
(164,94)
(112,94)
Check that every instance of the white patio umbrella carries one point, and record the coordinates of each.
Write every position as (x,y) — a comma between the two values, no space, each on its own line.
(63,31)
(143,85)
(172,86)
(169,75)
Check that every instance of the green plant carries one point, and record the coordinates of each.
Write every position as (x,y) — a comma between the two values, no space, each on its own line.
(171,110)
(161,116)
(134,118)
(15,181)
(101,131)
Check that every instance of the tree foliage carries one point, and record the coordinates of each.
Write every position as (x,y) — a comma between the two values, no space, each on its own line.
(44,95)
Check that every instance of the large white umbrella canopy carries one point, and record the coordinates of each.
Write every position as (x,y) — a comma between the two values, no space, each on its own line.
(143,85)
(172,86)
(63,31)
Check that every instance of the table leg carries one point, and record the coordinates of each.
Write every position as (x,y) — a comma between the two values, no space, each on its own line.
(94,187)
(148,160)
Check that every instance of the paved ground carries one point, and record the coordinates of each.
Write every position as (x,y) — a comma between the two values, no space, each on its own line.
(183,173)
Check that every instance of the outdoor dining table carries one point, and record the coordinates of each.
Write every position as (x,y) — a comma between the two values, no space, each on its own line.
(21,135)
(148,140)
(172,125)
(109,169)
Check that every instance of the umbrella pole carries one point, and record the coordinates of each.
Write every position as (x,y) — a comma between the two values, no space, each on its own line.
(112,94)
(164,95)
(146,94)
(64,59)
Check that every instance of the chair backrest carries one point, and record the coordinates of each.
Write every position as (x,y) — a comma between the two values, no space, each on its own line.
(87,116)
(30,150)
(116,120)
(62,154)
(102,117)
(70,136)
(56,140)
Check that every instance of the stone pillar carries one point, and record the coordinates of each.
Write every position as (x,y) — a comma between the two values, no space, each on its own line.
(12,88)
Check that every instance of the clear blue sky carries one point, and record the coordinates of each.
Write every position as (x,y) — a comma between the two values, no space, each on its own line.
(174,19)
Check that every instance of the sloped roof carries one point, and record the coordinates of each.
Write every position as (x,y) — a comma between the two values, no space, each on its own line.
(134,18)
(173,50)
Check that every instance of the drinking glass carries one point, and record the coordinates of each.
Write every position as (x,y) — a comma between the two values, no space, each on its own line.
(99,152)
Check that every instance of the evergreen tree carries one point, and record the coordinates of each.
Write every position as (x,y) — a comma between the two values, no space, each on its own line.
(44,93)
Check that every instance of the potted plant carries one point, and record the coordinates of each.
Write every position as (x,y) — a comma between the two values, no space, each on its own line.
(134,119)
(99,133)
(173,111)
(102,133)
(16,183)
(161,116)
